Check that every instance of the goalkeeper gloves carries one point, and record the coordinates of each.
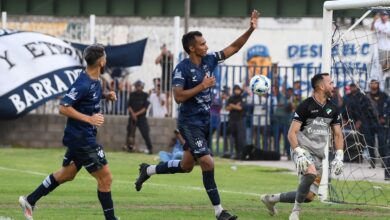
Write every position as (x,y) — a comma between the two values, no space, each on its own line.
(337,163)
(302,162)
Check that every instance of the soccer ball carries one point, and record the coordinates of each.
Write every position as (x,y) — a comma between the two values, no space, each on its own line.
(260,84)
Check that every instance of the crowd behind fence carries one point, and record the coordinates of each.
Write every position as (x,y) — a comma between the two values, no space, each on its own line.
(266,119)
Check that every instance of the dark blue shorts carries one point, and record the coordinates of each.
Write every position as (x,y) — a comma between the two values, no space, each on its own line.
(197,139)
(90,157)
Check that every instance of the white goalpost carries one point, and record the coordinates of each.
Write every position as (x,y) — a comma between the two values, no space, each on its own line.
(328,32)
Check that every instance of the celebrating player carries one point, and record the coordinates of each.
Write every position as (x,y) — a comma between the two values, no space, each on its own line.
(192,82)
(82,106)
(308,136)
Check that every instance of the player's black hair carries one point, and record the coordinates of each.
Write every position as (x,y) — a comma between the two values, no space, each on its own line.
(317,79)
(92,53)
(189,39)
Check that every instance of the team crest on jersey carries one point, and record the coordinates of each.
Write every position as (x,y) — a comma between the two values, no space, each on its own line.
(199,143)
(72,94)
(328,111)
(100,153)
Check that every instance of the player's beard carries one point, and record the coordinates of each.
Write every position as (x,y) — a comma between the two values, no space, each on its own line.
(328,94)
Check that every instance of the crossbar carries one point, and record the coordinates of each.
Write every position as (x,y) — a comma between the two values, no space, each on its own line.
(350,4)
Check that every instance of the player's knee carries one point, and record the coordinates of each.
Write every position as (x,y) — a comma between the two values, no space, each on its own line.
(107,179)
(187,168)
(311,170)
(207,164)
(310,197)
(104,182)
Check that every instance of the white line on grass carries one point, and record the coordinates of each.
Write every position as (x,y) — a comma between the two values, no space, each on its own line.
(193,188)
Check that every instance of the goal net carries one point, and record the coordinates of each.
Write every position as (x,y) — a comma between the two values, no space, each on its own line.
(353,48)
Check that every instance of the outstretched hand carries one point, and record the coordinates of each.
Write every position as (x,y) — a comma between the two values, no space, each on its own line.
(254,16)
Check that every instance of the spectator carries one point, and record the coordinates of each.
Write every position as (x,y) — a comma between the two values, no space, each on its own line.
(115,107)
(298,90)
(236,122)
(291,101)
(381,26)
(215,109)
(379,100)
(156,81)
(177,148)
(280,120)
(117,72)
(260,119)
(248,113)
(124,94)
(137,106)
(165,59)
(357,107)
(337,99)
(290,109)
(106,82)
(158,108)
(224,121)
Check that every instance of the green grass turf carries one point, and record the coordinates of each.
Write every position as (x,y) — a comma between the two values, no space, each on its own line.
(179,196)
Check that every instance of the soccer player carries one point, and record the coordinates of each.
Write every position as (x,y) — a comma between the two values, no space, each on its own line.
(192,82)
(308,136)
(81,105)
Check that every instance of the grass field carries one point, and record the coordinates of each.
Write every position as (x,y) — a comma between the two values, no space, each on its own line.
(179,196)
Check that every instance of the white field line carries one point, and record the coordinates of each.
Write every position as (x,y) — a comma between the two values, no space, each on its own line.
(193,188)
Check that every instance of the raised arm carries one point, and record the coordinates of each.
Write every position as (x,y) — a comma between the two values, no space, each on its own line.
(239,42)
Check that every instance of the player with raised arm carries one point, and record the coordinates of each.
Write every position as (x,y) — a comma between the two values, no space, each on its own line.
(81,105)
(192,82)
(308,136)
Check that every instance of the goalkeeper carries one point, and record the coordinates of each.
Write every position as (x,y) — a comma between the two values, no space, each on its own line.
(308,137)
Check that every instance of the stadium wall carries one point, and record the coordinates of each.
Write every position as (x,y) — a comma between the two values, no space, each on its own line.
(46,131)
